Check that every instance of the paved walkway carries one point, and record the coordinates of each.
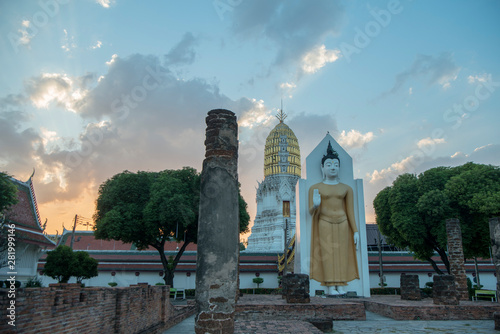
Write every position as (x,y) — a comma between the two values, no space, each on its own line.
(374,324)
(378,324)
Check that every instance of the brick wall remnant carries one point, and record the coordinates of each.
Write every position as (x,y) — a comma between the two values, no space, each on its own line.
(218,227)
(444,291)
(496,317)
(456,257)
(296,288)
(410,287)
(69,308)
(495,249)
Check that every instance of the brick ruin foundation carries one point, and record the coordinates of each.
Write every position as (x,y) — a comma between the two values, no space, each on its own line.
(444,291)
(69,308)
(410,287)
(296,288)
(495,249)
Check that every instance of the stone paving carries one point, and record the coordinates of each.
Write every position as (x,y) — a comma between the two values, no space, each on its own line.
(378,324)
(374,324)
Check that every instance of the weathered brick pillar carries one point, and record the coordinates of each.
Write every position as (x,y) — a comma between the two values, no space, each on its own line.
(495,249)
(410,287)
(456,257)
(297,288)
(218,228)
(444,290)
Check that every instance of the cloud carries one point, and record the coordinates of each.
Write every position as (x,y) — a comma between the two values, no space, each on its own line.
(287,88)
(310,129)
(487,154)
(258,115)
(97,45)
(295,28)
(478,149)
(16,141)
(459,155)
(288,85)
(354,139)
(426,142)
(162,129)
(59,88)
(183,52)
(317,58)
(106,3)
(390,173)
(485,77)
(68,42)
(112,60)
(440,70)
(48,136)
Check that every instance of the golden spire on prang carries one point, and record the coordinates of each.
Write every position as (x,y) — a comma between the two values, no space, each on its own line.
(281,115)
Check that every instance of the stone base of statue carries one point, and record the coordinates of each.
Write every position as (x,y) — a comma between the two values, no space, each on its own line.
(361,286)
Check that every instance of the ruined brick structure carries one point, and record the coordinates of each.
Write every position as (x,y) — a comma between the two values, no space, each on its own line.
(296,288)
(410,287)
(444,291)
(218,228)
(69,308)
(495,249)
(456,257)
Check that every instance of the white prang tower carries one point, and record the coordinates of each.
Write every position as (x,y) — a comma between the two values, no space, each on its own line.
(276,193)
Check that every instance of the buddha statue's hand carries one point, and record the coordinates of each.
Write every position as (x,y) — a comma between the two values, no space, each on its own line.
(316,198)
(356,240)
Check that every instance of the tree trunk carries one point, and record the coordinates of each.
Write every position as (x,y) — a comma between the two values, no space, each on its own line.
(169,268)
(160,247)
(444,258)
(169,277)
(434,265)
(477,273)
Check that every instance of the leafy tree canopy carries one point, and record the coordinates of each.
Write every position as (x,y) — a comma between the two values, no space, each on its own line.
(412,212)
(8,192)
(85,266)
(62,263)
(151,208)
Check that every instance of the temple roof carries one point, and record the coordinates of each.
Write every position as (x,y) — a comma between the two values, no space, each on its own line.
(24,214)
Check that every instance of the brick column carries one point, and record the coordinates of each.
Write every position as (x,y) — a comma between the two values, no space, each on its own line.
(444,290)
(297,288)
(495,249)
(410,287)
(218,228)
(456,257)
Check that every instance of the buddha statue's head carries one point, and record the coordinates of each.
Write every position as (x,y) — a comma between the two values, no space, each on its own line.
(330,163)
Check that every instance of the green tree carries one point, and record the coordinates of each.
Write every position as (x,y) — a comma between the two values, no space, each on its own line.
(60,263)
(8,192)
(412,212)
(474,195)
(151,208)
(8,197)
(85,266)
(258,281)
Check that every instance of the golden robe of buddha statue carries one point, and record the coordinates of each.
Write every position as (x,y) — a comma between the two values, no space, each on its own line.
(334,233)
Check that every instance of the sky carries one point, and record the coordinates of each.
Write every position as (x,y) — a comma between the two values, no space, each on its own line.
(92,88)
